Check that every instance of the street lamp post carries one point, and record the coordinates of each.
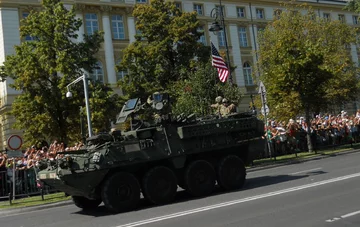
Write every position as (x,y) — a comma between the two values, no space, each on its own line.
(215,27)
(83,78)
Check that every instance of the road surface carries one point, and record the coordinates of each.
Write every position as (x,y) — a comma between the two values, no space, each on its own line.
(322,192)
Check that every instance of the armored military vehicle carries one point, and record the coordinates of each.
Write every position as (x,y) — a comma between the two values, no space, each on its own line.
(156,156)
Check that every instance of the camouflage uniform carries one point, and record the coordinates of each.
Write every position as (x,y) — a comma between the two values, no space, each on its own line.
(217,105)
(226,109)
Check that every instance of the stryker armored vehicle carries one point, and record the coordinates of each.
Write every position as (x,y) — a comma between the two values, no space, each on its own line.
(154,157)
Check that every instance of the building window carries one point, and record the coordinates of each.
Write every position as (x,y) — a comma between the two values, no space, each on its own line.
(202,38)
(28,37)
(243,37)
(97,73)
(326,16)
(241,12)
(341,18)
(221,38)
(91,22)
(355,19)
(260,14)
(117,24)
(247,74)
(140,1)
(198,8)
(120,74)
(178,5)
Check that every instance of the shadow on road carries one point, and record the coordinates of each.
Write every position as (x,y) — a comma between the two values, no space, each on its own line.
(183,196)
(258,182)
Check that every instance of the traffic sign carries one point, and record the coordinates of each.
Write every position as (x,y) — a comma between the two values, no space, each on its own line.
(262,92)
(267,110)
(262,88)
(14,154)
(14,142)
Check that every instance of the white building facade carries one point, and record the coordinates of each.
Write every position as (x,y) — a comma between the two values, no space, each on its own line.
(243,20)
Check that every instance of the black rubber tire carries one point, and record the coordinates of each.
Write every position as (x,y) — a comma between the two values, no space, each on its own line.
(121,192)
(85,203)
(200,178)
(231,173)
(159,185)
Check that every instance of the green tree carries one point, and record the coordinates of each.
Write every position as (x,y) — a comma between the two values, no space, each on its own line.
(164,50)
(353,5)
(42,68)
(105,106)
(305,63)
(198,92)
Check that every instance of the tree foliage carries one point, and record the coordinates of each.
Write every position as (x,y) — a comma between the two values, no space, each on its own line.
(198,92)
(305,62)
(165,50)
(353,5)
(42,68)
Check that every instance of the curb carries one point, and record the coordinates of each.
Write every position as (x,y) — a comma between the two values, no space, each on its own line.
(35,208)
(295,160)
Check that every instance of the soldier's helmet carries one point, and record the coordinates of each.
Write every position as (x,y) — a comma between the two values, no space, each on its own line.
(218,99)
(225,100)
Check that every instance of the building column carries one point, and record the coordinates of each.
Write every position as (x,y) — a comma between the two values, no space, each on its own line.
(254,43)
(81,30)
(354,55)
(79,15)
(9,37)
(109,49)
(131,28)
(239,73)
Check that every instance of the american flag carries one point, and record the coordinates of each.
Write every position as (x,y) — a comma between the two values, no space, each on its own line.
(219,64)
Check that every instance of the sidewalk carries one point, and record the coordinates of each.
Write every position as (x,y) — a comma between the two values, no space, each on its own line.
(277,163)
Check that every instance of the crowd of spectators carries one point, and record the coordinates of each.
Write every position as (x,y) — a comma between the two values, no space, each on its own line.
(326,129)
(31,156)
(24,165)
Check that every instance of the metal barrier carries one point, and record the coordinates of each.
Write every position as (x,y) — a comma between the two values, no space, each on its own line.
(5,185)
(26,184)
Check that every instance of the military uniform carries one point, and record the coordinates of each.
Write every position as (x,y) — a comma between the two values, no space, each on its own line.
(226,109)
(217,105)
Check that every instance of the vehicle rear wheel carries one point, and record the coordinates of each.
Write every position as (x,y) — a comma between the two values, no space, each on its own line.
(231,173)
(200,178)
(121,192)
(160,185)
(85,203)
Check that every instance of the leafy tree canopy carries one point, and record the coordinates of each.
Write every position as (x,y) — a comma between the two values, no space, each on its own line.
(165,49)
(42,68)
(305,62)
(353,5)
(198,92)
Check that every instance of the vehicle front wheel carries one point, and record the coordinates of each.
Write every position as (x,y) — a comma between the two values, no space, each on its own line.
(121,192)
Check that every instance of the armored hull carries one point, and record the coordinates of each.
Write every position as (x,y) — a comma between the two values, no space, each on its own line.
(190,153)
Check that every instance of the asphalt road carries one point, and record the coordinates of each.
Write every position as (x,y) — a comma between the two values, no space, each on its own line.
(318,193)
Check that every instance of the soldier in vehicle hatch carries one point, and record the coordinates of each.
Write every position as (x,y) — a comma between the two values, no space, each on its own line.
(217,105)
(225,108)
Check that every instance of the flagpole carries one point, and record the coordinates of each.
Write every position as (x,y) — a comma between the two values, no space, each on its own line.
(226,43)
